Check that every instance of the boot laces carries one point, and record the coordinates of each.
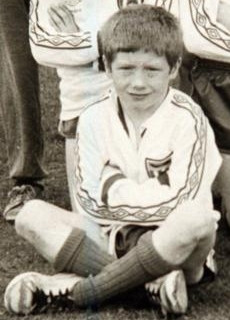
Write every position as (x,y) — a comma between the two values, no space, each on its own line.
(59,302)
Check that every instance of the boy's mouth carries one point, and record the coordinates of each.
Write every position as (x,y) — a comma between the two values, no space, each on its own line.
(138,96)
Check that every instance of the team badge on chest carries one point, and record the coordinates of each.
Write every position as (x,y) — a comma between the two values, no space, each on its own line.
(158,168)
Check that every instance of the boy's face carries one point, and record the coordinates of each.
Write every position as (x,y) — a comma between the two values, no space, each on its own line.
(141,79)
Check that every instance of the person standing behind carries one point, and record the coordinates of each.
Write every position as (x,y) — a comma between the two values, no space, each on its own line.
(205,72)
(208,70)
(20,106)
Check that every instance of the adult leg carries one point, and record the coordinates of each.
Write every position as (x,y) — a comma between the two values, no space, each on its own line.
(211,89)
(19,104)
(19,93)
(223,185)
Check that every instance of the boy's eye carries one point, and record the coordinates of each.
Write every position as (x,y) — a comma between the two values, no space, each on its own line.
(151,69)
(125,67)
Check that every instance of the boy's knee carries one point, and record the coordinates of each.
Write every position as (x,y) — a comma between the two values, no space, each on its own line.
(200,223)
(27,215)
(193,223)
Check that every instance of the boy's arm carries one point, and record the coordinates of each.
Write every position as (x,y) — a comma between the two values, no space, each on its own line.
(103,187)
(185,174)
(89,158)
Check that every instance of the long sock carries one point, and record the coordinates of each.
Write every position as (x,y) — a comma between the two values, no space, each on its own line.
(81,255)
(142,264)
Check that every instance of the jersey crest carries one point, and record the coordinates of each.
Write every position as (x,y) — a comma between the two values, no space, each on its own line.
(159,169)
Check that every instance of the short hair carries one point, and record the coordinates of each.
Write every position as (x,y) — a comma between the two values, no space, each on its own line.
(142,27)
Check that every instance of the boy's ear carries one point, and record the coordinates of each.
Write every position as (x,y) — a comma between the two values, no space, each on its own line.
(107,66)
(175,68)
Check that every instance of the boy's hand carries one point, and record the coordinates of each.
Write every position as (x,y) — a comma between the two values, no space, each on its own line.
(62,19)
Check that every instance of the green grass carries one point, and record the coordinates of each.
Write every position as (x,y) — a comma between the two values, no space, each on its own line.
(207,302)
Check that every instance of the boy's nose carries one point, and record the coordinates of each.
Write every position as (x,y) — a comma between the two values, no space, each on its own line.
(138,80)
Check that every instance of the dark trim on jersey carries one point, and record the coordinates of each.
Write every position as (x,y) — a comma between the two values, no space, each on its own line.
(143,132)
(123,212)
(108,183)
(122,116)
(202,120)
(202,173)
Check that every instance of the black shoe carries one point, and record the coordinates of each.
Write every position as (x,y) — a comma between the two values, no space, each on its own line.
(33,292)
(169,292)
(17,197)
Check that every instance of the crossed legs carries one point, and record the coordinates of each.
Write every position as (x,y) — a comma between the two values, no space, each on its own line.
(182,242)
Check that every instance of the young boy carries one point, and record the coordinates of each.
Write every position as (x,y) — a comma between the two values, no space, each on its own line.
(208,72)
(146,160)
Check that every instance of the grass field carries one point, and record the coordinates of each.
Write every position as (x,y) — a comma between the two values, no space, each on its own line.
(207,302)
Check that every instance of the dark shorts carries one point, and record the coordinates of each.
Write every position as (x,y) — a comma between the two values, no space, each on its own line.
(128,237)
(208,83)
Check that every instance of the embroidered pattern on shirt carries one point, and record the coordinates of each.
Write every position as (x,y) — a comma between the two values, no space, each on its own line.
(41,37)
(207,29)
(158,212)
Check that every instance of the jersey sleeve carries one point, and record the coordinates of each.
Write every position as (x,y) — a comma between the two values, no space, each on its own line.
(90,159)
(188,170)
(104,192)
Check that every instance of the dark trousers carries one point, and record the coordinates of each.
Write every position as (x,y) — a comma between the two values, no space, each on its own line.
(19,93)
(208,82)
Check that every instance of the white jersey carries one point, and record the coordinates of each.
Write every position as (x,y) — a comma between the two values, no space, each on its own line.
(205,25)
(119,181)
(54,48)
(73,54)
(204,35)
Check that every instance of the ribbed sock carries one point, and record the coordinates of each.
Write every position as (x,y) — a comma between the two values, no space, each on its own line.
(142,264)
(81,255)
